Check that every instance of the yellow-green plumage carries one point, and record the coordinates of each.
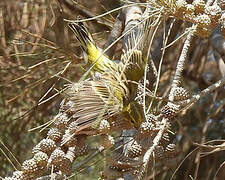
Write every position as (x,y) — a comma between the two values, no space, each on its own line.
(134,113)
(135,64)
(112,94)
(94,55)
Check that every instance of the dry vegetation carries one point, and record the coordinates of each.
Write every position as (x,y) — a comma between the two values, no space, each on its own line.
(39,56)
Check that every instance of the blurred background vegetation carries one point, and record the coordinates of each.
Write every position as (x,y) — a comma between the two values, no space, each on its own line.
(39,55)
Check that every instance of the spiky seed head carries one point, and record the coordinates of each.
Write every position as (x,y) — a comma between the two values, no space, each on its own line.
(41,159)
(60,162)
(190,9)
(145,129)
(189,14)
(61,120)
(45,145)
(56,157)
(36,148)
(203,20)
(104,126)
(170,110)
(148,127)
(199,6)
(181,5)
(30,167)
(68,139)
(135,150)
(20,175)
(151,118)
(107,141)
(214,12)
(180,94)
(65,166)
(54,134)
(9,178)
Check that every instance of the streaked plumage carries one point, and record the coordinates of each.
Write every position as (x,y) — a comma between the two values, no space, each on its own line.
(93,55)
(94,100)
(111,95)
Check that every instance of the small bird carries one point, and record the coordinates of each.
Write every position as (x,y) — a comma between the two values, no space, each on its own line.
(111,95)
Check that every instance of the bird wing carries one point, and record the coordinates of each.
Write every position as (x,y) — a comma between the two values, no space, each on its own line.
(92,101)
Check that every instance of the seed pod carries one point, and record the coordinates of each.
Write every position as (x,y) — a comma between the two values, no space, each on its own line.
(65,166)
(214,13)
(54,134)
(30,167)
(45,145)
(199,6)
(20,175)
(145,129)
(41,159)
(124,167)
(181,5)
(203,20)
(9,178)
(56,157)
(190,9)
(180,94)
(170,110)
(60,162)
(61,120)
(135,150)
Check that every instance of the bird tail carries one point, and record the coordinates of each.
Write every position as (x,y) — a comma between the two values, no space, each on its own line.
(95,55)
(83,36)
